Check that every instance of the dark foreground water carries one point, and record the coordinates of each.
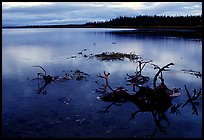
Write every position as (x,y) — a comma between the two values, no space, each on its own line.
(71,108)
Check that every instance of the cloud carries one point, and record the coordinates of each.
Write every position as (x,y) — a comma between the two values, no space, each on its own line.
(8,5)
(176,8)
(24,13)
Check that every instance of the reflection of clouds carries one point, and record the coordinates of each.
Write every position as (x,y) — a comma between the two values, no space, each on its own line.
(20,31)
(39,49)
(183,59)
(16,59)
(184,53)
(185,77)
(113,67)
(27,55)
(130,47)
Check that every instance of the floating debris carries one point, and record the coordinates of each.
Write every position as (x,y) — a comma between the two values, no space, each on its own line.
(63,78)
(79,75)
(55,122)
(73,56)
(65,100)
(83,121)
(78,120)
(109,129)
(81,52)
(44,80)
(96,81)
(67,118)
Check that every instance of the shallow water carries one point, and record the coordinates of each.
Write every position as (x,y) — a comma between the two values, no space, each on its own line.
(28,114)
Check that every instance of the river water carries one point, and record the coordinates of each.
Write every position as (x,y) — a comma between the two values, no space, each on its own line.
(70,108)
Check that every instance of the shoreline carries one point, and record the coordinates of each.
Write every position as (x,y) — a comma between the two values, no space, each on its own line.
(178,31)
(125,27)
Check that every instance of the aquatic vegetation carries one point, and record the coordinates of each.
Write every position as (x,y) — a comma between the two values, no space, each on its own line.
(109,56)
(112,56)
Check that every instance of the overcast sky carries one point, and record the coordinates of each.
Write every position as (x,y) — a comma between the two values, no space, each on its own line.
(38,13)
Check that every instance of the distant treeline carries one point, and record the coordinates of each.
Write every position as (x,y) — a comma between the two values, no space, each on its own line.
(178,22)
(151,21)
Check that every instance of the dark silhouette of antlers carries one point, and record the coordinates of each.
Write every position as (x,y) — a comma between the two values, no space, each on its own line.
(141,67)
(174,109)
(160,71)
(41,68)
(192,100)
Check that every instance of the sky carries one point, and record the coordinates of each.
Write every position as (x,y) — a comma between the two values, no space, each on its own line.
(49,13)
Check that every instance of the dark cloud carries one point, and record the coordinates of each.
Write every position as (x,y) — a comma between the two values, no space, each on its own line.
(82,12)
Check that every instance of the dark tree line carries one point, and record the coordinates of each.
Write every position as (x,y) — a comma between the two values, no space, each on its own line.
(137,21)
(152,21)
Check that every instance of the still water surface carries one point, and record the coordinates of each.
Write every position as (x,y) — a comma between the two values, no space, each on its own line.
(71,108)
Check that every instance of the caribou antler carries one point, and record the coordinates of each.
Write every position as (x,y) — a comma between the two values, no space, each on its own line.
(106,78)
(41,68)
(160,71)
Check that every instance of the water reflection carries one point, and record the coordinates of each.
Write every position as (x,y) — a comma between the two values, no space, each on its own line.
(144,33)
(157,100)
(62,52)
